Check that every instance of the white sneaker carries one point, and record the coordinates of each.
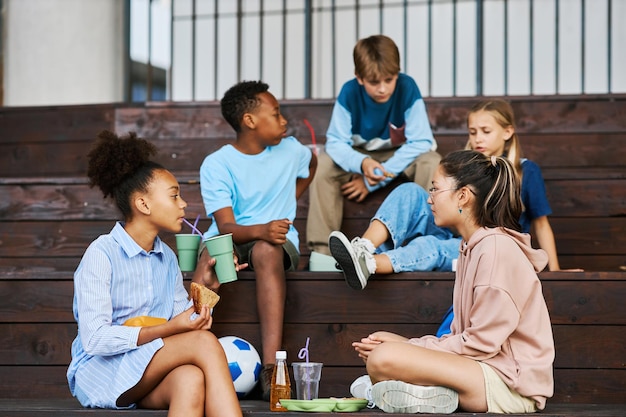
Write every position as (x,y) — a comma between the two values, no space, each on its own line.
(322,263)
(355,258)
(362,388)
(401,397)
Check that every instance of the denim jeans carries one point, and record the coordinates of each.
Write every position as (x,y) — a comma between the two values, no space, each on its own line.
(326,200)
(416,243)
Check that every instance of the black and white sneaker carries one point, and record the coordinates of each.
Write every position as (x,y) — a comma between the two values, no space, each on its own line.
(355,258)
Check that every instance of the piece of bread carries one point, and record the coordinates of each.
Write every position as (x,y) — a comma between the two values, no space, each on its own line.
(201,295)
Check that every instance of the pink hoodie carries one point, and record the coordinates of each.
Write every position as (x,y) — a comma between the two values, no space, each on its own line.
(500,315)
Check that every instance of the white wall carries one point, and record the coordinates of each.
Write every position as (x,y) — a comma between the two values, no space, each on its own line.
(63,52)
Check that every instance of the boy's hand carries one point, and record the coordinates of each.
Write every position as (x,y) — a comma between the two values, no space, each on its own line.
(355,189)
(373,171)
(276,231)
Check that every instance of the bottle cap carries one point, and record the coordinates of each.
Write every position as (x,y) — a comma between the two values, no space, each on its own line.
(281,354)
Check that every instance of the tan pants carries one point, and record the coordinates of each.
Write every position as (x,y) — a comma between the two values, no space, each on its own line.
(326,201)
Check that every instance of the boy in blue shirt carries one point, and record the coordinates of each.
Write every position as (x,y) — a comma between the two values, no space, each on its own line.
(250,189)
(378,130)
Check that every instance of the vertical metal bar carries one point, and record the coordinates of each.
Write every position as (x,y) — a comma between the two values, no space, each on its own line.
(506,47)
(2,26)
(149,63)
(531,49)
(261,37)
(609,58)
(430,47)
(582,46)
(454,47)
(127,67)
(170,77)
(308,48)
(405,37)
(357,8)
(479,47)
(556,45)
(239,40)
(308,39)
(284,57)
(215,46)
(333,23)
(193,50)
(380,16)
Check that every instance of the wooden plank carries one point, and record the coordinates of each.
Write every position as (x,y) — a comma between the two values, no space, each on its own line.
(78,201)
(553,114)
(307,302)
(571,386)
(593,236)
(55,123)
(558,149)
(589,236)
(71,408)
(581,150)
(204,120)
(576,346)
(410,300)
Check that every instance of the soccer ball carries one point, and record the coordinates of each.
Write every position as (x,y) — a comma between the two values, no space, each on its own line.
(244,363)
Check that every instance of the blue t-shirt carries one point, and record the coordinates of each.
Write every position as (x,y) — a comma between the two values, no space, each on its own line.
(533,195)
(358,121)
(259,188)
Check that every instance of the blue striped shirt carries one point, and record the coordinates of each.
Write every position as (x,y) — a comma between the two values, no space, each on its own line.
(116,280)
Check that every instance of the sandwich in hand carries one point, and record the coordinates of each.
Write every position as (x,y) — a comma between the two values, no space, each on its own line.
(201,295)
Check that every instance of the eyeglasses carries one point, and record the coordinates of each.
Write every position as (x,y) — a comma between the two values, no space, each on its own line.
(432,191)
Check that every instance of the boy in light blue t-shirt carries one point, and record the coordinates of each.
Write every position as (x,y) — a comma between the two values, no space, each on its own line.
(250,189)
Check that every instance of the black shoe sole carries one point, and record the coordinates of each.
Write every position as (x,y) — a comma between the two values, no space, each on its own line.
(343,258)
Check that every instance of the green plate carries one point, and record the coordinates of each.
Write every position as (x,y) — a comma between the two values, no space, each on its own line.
(325,405)
(320,405)
(349,405)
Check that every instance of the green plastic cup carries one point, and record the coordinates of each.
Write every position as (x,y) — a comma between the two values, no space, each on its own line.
(221,248)
(187,247)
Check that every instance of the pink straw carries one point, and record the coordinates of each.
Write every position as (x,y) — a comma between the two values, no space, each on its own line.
(313,141)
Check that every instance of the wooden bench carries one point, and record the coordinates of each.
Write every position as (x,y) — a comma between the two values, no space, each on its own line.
(48,216)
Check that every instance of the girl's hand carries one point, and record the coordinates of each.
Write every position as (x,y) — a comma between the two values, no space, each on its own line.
(369,343)
(205,271)
(184,322)
(238,267)
(386,337)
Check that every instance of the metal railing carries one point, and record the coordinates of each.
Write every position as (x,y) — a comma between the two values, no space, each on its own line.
(303,48)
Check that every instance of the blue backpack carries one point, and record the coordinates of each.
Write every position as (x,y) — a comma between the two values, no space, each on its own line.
(444,327)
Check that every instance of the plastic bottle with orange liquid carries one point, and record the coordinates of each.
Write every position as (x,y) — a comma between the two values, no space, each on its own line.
(281,385)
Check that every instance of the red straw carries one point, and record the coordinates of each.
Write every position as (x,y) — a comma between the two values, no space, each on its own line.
(313,141)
